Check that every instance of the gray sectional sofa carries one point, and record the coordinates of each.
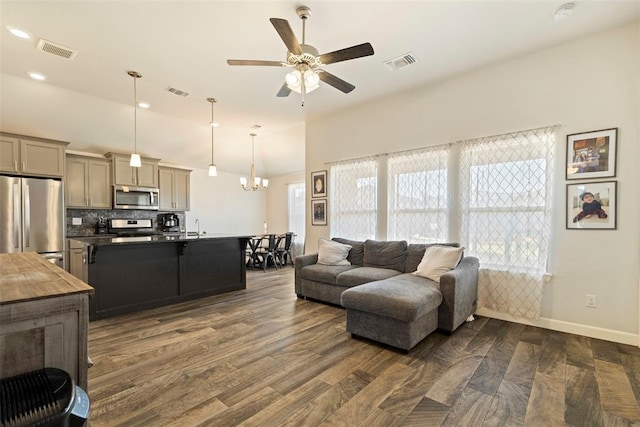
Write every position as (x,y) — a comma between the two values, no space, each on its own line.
(384,301)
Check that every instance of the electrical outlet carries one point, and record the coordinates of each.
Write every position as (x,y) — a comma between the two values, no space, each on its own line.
(592,301)
(76,221)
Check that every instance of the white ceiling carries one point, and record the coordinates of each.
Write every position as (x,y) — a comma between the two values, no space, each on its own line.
(185,44)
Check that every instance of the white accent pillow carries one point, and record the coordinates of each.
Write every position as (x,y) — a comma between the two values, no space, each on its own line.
(331,252)
(438,260)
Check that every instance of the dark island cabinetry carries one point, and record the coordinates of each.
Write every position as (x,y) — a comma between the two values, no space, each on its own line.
(129,277)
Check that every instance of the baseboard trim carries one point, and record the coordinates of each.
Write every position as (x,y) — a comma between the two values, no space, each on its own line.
(569,327)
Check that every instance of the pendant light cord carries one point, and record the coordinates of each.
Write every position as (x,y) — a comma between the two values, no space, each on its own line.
(135,116)
(213,101)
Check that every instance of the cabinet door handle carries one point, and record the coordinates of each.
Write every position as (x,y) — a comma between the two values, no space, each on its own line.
(15,165)
(90,201)
(86,201)
(23,167)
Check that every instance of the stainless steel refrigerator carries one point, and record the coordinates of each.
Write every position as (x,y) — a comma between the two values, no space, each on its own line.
(32,217)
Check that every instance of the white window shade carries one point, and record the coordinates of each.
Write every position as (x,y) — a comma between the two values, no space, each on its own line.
(296,213)
(353,199)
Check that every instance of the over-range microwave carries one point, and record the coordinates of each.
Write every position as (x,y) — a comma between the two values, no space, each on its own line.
(125,197)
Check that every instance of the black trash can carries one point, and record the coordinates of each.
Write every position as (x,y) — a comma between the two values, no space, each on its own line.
(47,397)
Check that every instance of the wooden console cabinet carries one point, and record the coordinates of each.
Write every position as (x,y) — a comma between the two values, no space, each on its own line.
(44,313)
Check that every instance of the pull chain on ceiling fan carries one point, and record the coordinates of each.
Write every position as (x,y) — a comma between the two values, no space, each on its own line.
(306,62)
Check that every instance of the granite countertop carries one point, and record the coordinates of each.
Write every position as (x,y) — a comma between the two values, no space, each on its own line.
(104,240)
(27,276)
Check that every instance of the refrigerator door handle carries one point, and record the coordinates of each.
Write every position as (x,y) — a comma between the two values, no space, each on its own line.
(27,216)
(16,215)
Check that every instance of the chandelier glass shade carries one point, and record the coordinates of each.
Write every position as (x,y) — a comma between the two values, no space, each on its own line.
(253,183)
(213,170)
(135,157)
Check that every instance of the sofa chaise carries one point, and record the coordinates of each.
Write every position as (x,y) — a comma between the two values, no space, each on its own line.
(385,301)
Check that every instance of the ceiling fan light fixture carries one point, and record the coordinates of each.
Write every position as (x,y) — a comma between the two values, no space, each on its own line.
(311,80)
(293,79)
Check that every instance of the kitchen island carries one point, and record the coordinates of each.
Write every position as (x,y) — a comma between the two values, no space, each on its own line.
(43,317)
(130,274)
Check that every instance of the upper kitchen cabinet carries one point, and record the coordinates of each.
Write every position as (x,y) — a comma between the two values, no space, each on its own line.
(31,156)
(123,174)
(88,182)
(174,189)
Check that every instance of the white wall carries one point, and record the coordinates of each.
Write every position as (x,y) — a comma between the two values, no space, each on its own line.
(277,201)
(222,206)
(585,85)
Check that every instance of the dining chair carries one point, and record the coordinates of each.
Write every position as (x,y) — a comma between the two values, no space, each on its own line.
(268,251)
(251,252)
(284,248)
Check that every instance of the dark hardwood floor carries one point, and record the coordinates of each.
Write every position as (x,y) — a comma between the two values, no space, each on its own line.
(262,357)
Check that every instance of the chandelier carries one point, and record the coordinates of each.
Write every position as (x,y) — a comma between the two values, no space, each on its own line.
(254,181)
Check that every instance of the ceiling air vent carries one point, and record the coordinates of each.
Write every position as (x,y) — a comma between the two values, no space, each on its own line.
(56,49)
(401,61)
(178,92)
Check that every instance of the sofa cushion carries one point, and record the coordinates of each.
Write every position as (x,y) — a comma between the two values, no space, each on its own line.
(324,273)
(361,275)
(387,254)
(356,253)
(415,252)
(437,261)
(332,253)
(399,298)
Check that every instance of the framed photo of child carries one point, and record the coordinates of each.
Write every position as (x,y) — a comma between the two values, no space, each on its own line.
(319,212)
(592,206)
(319,184)
(592,154)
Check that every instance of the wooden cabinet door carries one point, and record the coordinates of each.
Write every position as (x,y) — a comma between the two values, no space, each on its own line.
(41,158)
(9,155)
(76,183)
(99,183)
(166,183)
(123,174)
(76,264)
(148,175)
(181,190)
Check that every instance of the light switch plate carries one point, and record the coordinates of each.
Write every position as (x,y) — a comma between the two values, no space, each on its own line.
(76,221)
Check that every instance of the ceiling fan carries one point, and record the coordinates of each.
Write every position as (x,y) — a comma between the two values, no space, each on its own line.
(306,62)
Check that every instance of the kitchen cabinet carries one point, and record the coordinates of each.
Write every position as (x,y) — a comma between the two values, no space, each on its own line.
(174,185)
(88,182)
(77,262)
(123,174)
(31,156)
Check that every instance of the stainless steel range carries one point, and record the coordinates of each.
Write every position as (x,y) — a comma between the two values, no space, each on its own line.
(131,227)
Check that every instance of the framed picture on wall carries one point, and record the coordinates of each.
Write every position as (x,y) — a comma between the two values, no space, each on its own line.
(592,206)
(592,154)
(319,212)
(319,184)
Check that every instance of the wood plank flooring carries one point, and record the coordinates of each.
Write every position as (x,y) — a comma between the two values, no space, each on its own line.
(262,357)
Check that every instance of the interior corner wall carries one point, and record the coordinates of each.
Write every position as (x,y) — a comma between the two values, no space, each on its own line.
(223,207)
(589,84)
(278,201)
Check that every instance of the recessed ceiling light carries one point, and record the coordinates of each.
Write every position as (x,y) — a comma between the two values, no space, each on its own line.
(19,33)
(214,124)
(37,76)
(144,105)
(564,11)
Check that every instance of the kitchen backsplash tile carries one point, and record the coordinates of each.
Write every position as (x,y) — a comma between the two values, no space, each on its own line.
(90,217)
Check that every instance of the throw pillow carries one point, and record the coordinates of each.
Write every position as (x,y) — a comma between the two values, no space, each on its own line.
(438,260)
(332,253)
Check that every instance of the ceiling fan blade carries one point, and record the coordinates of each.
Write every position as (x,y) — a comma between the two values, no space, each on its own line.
(256,62)
(353,52)
(286,34)
(284,91)
(336,82)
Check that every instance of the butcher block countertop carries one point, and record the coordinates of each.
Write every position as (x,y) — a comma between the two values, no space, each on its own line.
(27,276)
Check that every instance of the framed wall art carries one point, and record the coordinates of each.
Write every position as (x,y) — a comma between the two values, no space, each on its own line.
(319,184)
(592,154)
(592,206)
(319,212)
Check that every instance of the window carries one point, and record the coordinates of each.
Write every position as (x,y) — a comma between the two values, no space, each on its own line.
(505,200)
(353,202)
(296,202)
(418,196)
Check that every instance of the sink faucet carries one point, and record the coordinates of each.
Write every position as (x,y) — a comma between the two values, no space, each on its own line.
(198,224)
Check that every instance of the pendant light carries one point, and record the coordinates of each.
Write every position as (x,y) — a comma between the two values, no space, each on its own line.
(213,171)
(135,157)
